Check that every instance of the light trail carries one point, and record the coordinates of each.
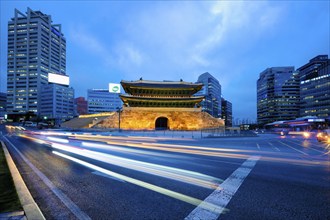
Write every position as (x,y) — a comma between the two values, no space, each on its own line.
(154,169)
(60,140)
(128,150)
(37,140)
(110,141)
(206,151)
(159,147)
(161,190)
(186,176)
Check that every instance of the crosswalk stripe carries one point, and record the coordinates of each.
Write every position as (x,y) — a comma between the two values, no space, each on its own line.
(223,194)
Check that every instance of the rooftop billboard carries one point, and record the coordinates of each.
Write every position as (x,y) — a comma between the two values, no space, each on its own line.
(58,79)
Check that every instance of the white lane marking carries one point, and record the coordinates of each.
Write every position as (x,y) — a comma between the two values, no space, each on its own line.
(223,194)
(293,148)
(306,147)
(276,148)
(107,176)
(66,201)
(258,146)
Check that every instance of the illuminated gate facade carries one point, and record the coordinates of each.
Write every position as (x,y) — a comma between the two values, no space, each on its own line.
(155,105)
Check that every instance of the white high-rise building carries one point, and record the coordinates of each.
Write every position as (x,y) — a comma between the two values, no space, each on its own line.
(36,47)
(57,102)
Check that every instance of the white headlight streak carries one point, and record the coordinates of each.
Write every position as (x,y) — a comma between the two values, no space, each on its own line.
(170,193)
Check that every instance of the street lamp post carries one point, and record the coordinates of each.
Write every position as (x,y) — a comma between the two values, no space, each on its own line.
(119,109)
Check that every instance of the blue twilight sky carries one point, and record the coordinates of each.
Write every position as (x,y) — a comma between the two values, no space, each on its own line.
(108,41)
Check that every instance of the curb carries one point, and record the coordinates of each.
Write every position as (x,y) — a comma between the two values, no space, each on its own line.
(30,207)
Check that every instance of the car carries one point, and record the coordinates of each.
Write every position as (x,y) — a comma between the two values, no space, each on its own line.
(29,124)
(42,125)
(323,136)
(284,132)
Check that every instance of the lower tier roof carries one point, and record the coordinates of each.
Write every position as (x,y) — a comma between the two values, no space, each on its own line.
(136,101)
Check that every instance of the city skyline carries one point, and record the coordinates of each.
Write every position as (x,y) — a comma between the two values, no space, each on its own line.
(174,40)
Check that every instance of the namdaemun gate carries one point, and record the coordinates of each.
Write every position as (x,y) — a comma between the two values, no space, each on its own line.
(153,105)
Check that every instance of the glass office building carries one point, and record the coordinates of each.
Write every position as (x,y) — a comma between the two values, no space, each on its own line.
(227,112)
(212,93)
(315,87)
(57,102)
(277,95)
(101,100)
(36,47)
(3,104)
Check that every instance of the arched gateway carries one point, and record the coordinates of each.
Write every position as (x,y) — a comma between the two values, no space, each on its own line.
(161,123)
(161,105)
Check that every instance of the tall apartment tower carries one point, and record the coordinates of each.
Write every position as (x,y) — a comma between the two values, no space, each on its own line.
(36,47)
(315,87)
(277,95)
(212,92)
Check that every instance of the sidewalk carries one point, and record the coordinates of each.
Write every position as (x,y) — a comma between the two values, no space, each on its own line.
(17,215)
(31,209)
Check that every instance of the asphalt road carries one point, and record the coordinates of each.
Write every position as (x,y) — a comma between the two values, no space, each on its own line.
(77,176)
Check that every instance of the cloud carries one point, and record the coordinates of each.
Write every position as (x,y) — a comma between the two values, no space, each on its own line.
(88,46)
(177,37)
(80,36)
(127,57)
(120,54)
(236,20)
(188,35)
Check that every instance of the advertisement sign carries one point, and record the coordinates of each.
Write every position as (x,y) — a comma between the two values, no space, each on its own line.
(58,79)
(114,88)
(316,120)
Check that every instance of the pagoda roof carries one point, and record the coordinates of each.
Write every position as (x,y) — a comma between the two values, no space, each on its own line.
(134,87)
(161,101)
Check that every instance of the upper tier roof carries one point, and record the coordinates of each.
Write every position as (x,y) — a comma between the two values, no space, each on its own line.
(140,87)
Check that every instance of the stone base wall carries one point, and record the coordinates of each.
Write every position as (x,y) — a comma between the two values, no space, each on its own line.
(137,118)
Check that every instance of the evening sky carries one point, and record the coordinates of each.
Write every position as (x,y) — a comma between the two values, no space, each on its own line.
(110,41)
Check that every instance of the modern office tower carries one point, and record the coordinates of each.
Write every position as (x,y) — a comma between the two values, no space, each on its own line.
(101,100)
(227,112)
(315,87)
(3,104)
(212,92)
(57,102)
(277,95)
(36,47)
(81,106)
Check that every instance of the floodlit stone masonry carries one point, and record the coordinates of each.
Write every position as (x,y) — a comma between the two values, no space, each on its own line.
(144,118)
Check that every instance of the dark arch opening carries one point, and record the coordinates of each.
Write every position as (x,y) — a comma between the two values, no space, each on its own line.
(161,123)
